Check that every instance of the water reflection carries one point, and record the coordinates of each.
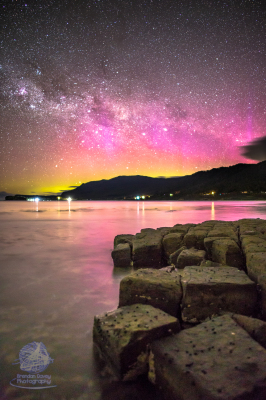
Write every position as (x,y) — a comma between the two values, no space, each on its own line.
(57,273)
(213,211)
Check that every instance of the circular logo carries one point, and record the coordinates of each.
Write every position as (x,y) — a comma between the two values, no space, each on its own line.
(34,357)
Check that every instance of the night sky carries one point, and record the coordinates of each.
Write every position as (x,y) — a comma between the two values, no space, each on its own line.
(91,90)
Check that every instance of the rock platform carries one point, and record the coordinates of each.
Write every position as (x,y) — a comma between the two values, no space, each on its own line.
(205,289)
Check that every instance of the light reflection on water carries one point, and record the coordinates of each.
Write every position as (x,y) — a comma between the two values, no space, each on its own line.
(57,273)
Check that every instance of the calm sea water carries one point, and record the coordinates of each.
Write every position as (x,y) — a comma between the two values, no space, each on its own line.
(56,273)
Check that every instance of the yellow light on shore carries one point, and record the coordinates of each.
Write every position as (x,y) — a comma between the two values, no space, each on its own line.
(171,194)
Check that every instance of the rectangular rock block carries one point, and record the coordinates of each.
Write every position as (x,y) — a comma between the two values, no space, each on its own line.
(208,291)
(216,360)
(225,232)
(147,250)
(172,242)
(121,337)
(256,265)
(195,238)
(181,228)
(253,326)
(262,295)
(208,241)
(121,255)
(253,244)
(160,289)
(190,256)
(227,251)
(123,238)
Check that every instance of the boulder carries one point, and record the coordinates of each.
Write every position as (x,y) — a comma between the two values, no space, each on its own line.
(121,337)
(225,232)
(209,263)
(251,225)
(124,238)
(253,326)
(207,224)
(226,251)
(171,243)
(195,238)
(208,241)
(174,256)
(208,291)
(190,257)
(147,250)
(164,230)
(158,288)
(216,360)
(225,225)
(181,228)
(256,264)
(253,244)
(262,295)
(121,255)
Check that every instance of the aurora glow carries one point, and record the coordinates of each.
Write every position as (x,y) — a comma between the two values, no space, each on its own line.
(95,89)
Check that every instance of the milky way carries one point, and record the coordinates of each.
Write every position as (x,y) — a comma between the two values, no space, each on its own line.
(90,90)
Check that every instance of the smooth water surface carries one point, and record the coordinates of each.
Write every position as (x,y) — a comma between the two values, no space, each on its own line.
(56,273)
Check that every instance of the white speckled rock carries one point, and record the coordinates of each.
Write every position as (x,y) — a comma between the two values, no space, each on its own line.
(216,360)
(208,291)
(158,288)
(122,336)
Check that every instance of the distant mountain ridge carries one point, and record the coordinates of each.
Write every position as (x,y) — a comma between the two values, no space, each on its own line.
(236,178)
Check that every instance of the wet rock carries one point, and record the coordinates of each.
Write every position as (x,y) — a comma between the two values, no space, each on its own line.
(147,250)
(172,242)
(208,291)
(121,337)
(253,244)
(195,238)
(227,251)
(179,228)
(216,360)
(164,230)
(209,263)
(158,288)
(174,256)
(127,238)
(121,255)
(190,257)
(262,295)
(208,241)
(223,232)
(256,265)
(225,224)
(251,226)
(253,326)
(207,224)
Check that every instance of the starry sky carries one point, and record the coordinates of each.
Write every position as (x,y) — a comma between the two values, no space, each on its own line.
(91,90)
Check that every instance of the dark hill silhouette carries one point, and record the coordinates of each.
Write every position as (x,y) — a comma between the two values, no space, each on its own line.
(121,186)
(237,178)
